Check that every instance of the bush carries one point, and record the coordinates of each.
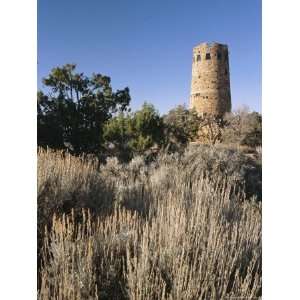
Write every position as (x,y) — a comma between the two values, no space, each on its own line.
(65,183)
(181,127)
(134,134)
(243,128)
(241,170)
(170,229)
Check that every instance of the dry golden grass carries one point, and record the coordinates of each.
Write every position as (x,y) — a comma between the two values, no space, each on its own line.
(144,232)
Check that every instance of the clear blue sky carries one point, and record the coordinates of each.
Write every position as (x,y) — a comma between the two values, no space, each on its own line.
(147,44)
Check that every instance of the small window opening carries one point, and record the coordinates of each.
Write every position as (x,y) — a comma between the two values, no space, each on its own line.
(207,56)
(219,56)
(226,72)
(198,57)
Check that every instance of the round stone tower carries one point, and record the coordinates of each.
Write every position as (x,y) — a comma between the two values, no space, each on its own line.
(210,89)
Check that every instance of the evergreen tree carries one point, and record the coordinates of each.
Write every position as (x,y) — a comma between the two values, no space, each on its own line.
(72,114)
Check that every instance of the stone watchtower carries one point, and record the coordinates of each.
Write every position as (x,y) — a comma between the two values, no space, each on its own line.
(210,89)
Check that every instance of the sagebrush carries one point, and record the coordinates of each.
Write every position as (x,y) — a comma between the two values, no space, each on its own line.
(181,227)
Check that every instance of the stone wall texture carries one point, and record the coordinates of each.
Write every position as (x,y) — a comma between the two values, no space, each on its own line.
(210,88)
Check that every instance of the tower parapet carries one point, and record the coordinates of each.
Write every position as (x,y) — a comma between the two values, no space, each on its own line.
(210,87)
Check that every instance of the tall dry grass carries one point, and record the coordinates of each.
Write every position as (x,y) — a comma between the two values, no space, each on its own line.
(160,231)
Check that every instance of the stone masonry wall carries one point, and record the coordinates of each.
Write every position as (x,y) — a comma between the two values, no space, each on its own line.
(210,88)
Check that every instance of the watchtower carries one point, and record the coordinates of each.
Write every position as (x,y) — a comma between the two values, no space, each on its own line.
(210,88)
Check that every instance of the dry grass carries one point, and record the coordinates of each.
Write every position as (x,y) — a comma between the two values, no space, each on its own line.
(163,231)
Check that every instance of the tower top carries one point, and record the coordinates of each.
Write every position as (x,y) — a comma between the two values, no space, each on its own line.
(210,45)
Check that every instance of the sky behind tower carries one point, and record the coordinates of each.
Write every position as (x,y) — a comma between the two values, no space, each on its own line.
(147,45)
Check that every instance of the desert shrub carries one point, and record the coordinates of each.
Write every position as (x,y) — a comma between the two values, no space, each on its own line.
(240,127)
(210,130)
(66,182)
(129,181)
(169,229)
(134,134)
(243,128)
(84,260)
(240,169)
(181,126)
(208,250)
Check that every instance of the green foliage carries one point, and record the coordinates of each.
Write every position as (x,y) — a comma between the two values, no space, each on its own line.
(84,115)
(117,134)
(181,126)
(147,128)
(132,134)
(72,114)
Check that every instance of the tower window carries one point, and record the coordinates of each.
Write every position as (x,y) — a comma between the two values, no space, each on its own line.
(198,57)
(226,72)
(219,56)
(207,56)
